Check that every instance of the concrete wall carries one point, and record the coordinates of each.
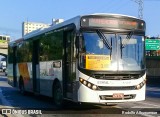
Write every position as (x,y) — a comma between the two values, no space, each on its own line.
(3,51)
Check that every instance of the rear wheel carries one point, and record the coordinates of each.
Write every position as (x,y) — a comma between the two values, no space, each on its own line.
(57,94)
(21,86)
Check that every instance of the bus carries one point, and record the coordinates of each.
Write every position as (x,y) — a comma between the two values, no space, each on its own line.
(95,58)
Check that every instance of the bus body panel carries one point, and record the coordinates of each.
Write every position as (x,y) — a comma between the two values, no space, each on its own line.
(10,74)
(48,73)
(112,83)
(25,70)
(86,94)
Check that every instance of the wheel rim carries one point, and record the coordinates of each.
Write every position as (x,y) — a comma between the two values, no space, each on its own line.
(57,95)
(21,88)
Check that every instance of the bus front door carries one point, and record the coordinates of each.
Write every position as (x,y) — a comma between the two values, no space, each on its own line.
(69,73)
(35,67)
(14,67)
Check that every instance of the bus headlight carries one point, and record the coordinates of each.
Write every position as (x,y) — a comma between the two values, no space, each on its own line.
(88,84)
(139,86)
(94,87)
(84,82)
(81,80)
(144,81)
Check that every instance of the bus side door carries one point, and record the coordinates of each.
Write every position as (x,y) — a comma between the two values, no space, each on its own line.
(69,68)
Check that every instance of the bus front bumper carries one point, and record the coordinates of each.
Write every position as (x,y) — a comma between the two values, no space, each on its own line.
(88,95)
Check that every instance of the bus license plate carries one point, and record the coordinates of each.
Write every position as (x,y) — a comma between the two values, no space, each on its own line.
(118,95)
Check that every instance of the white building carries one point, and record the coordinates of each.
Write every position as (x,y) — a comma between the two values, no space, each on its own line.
(4,38)
(28,27)
(57,21)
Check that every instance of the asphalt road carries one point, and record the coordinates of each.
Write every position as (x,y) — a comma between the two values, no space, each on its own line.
(11,98)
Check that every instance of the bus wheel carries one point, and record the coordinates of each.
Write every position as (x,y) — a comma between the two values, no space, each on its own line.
(57,95)
(21,87)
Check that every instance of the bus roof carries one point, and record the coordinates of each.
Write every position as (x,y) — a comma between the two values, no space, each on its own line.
(112,14)
(75,20)
(15,42)
(52,27)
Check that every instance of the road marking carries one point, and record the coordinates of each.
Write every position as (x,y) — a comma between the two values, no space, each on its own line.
(146,107)
(152,89)
(149,104)
(147,115)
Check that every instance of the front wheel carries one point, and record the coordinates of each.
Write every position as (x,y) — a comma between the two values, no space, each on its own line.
(57,95)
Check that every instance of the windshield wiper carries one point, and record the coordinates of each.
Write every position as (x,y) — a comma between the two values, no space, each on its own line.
(127,39)
(105,40)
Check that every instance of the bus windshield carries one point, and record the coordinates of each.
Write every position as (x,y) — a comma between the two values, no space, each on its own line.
(123,52)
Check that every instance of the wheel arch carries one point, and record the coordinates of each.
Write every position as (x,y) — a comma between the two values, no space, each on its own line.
(21,85)
(20,81)
(54,82)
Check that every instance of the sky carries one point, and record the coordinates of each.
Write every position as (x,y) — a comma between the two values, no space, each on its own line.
(14,12)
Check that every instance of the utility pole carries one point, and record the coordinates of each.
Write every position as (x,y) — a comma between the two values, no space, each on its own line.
(140,8)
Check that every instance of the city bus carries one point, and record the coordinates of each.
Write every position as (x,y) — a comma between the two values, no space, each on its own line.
(96,58)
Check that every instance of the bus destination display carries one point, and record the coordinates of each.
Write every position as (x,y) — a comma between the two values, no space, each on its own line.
(112,23)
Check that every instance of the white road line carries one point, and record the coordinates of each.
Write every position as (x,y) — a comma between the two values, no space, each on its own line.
(148,115)
(153,89)
(149,104)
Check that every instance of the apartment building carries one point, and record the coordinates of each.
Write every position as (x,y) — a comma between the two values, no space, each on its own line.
(28,27)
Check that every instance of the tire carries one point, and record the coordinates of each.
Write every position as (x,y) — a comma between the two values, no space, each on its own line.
(21,86)
(58,95)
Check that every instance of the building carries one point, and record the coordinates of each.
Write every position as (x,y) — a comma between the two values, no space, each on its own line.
(28,27)
(4,39)
(57,21)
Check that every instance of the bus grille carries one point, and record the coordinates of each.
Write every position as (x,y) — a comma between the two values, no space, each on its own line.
(117,88)
(115,77)
(110,97)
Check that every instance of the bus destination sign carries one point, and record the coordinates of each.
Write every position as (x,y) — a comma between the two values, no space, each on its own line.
(112,23)
(116,23)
